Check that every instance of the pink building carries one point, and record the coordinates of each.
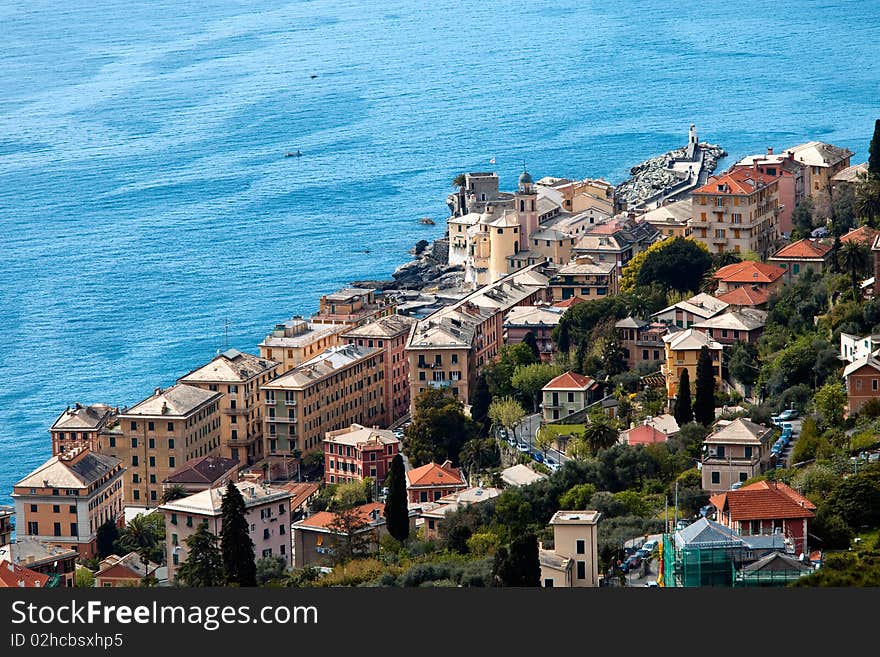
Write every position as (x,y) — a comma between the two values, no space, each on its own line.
(793,181)
(357,452)
(268,517)
(389,333)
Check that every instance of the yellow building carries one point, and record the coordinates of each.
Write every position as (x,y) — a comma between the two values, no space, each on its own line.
(237,377)
(162,432)
(343,386)
(682,353)
(737,211)
(672,220)
(823,161)
(573,562)
(82,426)
(297,340)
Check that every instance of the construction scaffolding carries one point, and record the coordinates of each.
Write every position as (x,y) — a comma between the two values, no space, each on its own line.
(710,565)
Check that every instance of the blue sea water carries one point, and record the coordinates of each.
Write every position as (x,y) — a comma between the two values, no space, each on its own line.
(145,199)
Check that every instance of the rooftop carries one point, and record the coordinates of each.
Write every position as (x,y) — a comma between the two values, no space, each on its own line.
(371,513)
(356,435)
(575,518)
(740,431)
(745,295)
(570,381)
(298,332)
(521,475)
(745,319)
(820,154)
(705,533)
(748,271)
(850,174)
(81,472)
(861,235)
(204,470)
(180,400)
(738,181)
(231,366)
(208,502)
(432,474)
(131,562)
(324,364)
(15,576)
(533,316)
(348,294)
(300,492)
(864,361)
(28,551)
(386,327)
(690,340)
(643,435)
(674,214)
(763,500)
(805,249)
(81,417)
(702,305)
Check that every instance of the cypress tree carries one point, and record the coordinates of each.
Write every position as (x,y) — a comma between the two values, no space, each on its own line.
(204,563)
(684,411)
(520,565)
(480,402)
(236,546)
(874,152)
(530,340)
(704,398)
(396,511)
(563,337)
(106,536)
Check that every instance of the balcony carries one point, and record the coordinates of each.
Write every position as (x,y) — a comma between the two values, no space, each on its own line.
(719,240)
(236,411)
(282,420)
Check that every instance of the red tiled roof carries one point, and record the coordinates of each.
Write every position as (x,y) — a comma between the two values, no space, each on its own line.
(863,234)
(15,576)
(744,296)
(570,381)
(645,435)
(764,500)
(432,474)
(748,271)
(568,303)
(324,519)
(803,249)
(118,571)
(738,181)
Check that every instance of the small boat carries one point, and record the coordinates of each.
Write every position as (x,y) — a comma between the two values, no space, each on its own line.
(293,154)
(427,221)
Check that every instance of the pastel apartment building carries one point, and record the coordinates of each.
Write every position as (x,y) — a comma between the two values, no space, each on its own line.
(389,333)
(539,320)
(793,179)
(66,499)
(737,325)
(162,432)
(7,513)
(641,341)
(342,386)
(267,514)
(573,562)
(448,347)
(670,220)
(801,256)
(685,314)
(584,278)
(616,241)
(297,340)
(357,452)
(434,515)
(237,377)
(352,306)
(862,378)
(316,538)
(432,481)
(738,212)
(82,426)
(734,452)
(566,394)
(683,352)
(824,161)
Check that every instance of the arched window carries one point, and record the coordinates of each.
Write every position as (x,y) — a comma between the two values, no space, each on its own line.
(522,206)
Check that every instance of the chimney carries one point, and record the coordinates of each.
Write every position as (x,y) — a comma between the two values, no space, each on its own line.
(769,150)
(157,392)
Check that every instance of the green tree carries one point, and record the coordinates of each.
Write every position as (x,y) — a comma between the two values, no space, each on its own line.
(867,203)
(830,400)
(807,444)
(175,492)
(396,511)
(145,535)
(459,180)
(676,264)
(855,259)
(506,412)
(577,497)
(439,428)
(600,435)
(500,372)
(741,363)
(857,500)
(236,545)
(480,400)
(684,411)
(529,380)
(802,219)
(269,569)
(350,540)
(563,339)
(532,342)
(874,152)
(204,564)
(704,397)
(106,536)
(480,453)
(518,565)
(85,578)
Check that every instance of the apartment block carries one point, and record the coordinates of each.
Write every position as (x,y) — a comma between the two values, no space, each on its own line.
(295,341)
(573,562)
(358,452)
(353,306)
(82,426)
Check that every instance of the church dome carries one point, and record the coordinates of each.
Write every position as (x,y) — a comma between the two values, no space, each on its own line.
(525,178)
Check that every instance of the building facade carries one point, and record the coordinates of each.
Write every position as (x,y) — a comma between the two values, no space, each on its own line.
(431,481)
(295,341)
(357,452)
(566,394)
(539,320)
(862,378)
(801,256)
(734,452)
(202,473)
(65,500)
(584,278)
(573,562)
(162,432)
(823,161)
(353,306)
(237,377)
(683,353)
(793,179)
(82,426)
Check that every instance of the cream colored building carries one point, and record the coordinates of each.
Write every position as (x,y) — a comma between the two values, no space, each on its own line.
(566,394)
(824,162)
(295,341)
(738,212)
(584,278)
(683,352)
(734,452)
(573,562)
(672,220)
(237,377)
(345,385)
(447,348)
(161,433)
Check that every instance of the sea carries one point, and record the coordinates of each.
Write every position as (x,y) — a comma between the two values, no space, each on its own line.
(150,217)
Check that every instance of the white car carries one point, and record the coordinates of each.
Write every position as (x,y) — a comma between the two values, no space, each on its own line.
(523,447)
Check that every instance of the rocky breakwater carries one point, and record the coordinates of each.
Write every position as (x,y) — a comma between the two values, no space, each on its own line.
(669,174)
(428,271)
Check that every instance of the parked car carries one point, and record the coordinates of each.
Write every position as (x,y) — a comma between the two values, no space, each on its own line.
(538,457)
(511,441)
(873,456)
(652,584)
(736,486)
(550,461)
(553,466)
(633,562)
(788,414)
(523,447)
(650,546)
(643,553)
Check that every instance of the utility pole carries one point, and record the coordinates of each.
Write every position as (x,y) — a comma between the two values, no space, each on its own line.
(676,504)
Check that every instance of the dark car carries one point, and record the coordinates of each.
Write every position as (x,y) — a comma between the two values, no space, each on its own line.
(633,562)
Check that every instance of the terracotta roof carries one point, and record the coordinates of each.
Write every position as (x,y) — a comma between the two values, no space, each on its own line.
(745,296)
(570,381)
(804,249)
(763,500)
(863,235)
(324,519)
(568,303)
(15,576)
(432,474)
(644,435)
(203,470)
(738,181)
(748,271)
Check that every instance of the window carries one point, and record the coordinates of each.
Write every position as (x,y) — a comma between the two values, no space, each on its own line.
(171,443)
(173,518)
(112,441)
(431,524)
(153,495)
(873,384)
(571,397)
(152,479)
(720,451)
(455,359)
(33,508)
(548,583)
(173,539)
(582,570)
(33,528)
(170,461)
(743,476)
(71,508)
(423,496)
(581,546)
(644,354)
(134,425)
(134,460)
(57,529)
(171,426)
(175,559)
(74,530)
(152,461)
(189,521)
(136,494)
(266,533)
(151,426)
(748,452)
(795,268)
(151,443)
(56,508)
(716,477)
(134,443)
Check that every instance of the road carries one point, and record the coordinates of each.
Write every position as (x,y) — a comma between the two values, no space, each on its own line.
(795,434)
(527,431)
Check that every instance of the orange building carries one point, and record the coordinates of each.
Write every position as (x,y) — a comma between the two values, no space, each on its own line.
(115,571)
(749,274)
(801,256)
(65,500)
(82,426)
(13,576)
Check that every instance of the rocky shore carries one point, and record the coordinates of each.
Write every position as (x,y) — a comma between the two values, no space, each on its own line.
(428,271)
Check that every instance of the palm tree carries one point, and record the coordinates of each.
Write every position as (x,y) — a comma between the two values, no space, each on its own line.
(140,536)
(600,435)
(854,258)
(458,181)
(709,283)
(868,199)
(175,492)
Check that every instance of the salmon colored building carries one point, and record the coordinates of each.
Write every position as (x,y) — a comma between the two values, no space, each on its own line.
(82,426)
(749,274)
(123,571)
(358,452)
(430,482)
(862,379)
